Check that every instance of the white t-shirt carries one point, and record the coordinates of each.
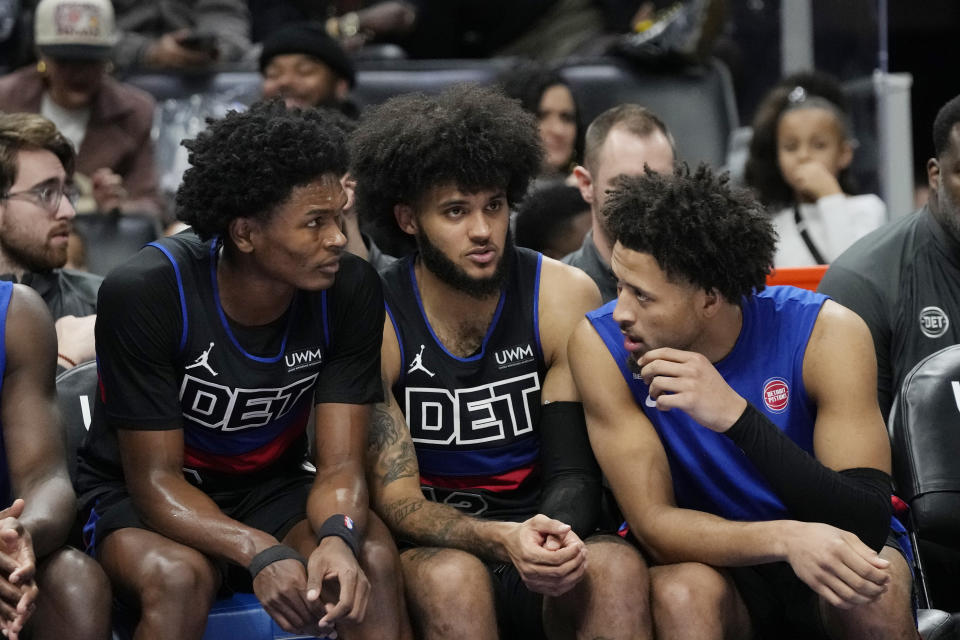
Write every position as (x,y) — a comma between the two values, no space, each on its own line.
(833,223)
(72,123)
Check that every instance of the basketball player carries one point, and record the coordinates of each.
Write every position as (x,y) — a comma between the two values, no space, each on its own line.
(214,346)
(738,426)
(478,454)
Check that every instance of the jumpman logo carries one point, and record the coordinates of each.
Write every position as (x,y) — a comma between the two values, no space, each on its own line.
(201,361)
(418,363)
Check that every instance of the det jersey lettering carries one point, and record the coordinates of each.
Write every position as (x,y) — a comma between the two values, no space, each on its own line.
(216,406)
(471,504)
(495,411)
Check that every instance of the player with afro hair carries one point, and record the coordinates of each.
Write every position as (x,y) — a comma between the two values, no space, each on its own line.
(246,164)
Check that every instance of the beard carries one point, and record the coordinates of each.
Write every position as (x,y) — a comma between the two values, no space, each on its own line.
(452,274)
(32,258)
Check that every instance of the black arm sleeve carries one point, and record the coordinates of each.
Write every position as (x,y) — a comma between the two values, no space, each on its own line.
(856,500)
(571,492)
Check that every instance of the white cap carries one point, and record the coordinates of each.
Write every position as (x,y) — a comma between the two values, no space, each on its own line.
(75,29)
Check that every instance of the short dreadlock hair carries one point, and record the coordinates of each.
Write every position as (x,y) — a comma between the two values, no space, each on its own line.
(470,136)
(697,228)
(246,164)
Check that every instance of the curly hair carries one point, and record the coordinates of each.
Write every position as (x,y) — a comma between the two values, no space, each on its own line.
(697,227)
(546,213)
(246,164)
(762,171)
(947,117)
(528,81)
(473,137)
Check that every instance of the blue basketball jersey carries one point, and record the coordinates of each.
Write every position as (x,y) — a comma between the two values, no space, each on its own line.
(6,290)
(710,473)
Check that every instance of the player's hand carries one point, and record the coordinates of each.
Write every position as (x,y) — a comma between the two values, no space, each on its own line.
(18,590)
(337,588)
(281,589)
(836,564)
(687,381)
(813,180)
(550,558)
(108,190)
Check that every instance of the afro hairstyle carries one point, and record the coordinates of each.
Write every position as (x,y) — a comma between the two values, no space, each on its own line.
(470,136)
(947,117)
(248,163)
(697,228)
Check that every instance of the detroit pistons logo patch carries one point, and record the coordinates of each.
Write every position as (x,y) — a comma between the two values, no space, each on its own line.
(776,394)
(933,322)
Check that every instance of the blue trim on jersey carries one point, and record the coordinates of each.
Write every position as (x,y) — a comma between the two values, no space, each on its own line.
(326,320)
(241,441)
(396,330)
(536,305)
(426,321)
(6,485)
(226,324)
(479,462)
(709,472)
(183,300)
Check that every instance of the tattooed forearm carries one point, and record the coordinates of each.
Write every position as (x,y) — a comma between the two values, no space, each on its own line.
(399,464)
(431,524)
(384,431)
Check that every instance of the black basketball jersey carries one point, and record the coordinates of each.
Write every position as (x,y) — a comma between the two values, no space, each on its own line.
(475,420)
(243,395)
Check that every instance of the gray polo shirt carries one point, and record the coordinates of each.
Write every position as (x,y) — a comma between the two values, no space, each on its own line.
(588,260)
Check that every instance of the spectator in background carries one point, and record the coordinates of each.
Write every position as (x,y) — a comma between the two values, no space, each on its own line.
(36,209)
(108,122)
(799,156)
(553,219)
(307,68)
(544,93)
(620,141)
(181,35)
(904,279)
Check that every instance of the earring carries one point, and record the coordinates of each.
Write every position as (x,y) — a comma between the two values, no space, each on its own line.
(41,67)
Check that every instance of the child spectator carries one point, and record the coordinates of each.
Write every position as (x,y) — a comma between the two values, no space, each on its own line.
(799,155)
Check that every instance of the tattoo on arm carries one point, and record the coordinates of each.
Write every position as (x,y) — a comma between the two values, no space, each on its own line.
(393,455)
(437,525)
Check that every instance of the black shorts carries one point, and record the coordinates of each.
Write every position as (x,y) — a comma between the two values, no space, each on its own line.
(274,506)
(519,610)
(779,603)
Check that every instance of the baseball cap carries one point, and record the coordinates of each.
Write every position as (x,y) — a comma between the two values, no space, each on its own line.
(75,29)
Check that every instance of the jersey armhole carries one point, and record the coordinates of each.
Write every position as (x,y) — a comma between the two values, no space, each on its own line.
(183,302)
(396,330)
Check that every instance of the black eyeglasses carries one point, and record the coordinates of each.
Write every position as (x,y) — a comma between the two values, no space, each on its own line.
(47,196)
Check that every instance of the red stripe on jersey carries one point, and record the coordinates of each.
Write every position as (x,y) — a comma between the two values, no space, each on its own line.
(248,462)
(503,482)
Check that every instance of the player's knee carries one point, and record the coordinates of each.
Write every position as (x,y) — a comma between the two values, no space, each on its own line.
(680,591)
(176,576)
(78,591)
(445,579)
(618,565)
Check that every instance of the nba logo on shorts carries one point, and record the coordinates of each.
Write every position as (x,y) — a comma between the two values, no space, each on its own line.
(776,394)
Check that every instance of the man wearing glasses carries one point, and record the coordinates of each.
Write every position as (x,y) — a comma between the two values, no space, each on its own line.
(47,590)
(36,209)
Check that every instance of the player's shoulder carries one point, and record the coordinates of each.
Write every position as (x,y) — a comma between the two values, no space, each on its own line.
(566,286)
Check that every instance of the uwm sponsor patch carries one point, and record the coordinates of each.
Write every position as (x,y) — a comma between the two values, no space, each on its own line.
(514,356)
(776,394)
(303,358)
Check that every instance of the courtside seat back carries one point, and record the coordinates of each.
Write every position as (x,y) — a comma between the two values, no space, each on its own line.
(925,433)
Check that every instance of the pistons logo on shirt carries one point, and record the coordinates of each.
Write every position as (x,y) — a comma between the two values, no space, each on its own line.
(776,394)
